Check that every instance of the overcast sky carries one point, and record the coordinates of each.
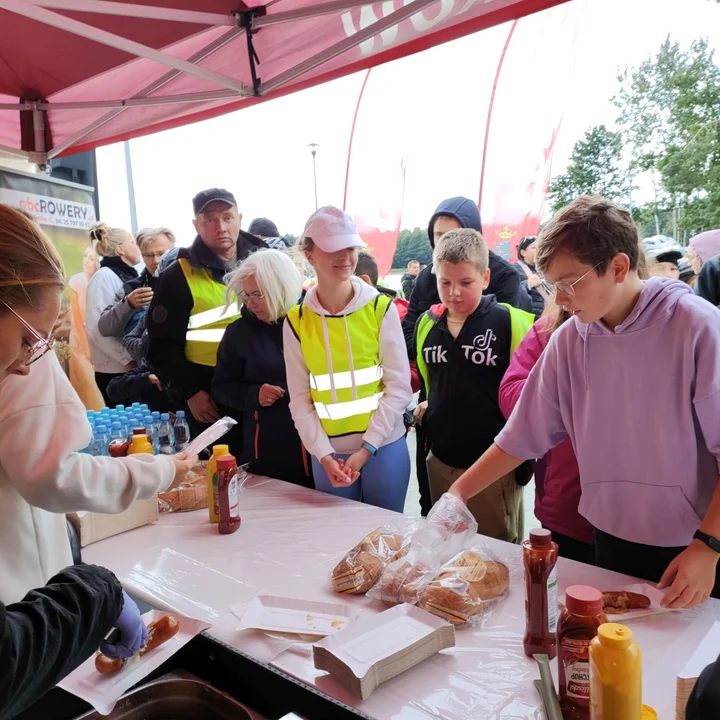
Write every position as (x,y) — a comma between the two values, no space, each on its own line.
(261,153)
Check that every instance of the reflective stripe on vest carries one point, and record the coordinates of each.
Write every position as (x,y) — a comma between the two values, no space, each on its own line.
(345,390)
(209,316)
(520,324)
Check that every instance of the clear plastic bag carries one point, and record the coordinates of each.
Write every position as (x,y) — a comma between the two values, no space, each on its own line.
(209,436)
(449,528)
(191,495)
(363,565)
(468,588)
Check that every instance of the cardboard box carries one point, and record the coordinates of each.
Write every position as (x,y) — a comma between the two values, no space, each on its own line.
(92,527)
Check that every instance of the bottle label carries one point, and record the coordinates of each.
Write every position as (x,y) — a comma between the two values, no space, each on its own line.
(552,601)
(575,660)
(233,498)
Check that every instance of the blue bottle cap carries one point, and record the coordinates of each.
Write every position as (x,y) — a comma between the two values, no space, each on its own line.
(164,417)
(180,414)
(119,407)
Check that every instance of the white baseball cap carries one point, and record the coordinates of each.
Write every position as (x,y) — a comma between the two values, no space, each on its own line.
(331,230)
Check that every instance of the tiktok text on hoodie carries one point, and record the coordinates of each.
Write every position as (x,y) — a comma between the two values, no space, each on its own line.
(641,407)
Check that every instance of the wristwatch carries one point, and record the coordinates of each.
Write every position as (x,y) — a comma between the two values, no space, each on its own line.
(709,540)
(373,451)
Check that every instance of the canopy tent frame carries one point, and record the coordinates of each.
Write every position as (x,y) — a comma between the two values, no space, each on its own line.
(37,143)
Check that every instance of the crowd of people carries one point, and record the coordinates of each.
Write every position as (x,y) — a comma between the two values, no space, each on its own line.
(588,364)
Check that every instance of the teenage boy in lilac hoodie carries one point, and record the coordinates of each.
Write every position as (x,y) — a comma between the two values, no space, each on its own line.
(633,379)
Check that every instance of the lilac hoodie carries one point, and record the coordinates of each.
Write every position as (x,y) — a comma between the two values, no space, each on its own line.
(641,406)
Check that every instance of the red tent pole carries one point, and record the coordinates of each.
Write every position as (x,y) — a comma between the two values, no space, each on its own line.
(352,137)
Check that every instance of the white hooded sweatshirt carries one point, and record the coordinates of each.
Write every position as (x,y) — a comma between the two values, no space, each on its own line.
(42,476)
(386,425)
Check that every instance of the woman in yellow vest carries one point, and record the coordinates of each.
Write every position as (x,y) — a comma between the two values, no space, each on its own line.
(347,372)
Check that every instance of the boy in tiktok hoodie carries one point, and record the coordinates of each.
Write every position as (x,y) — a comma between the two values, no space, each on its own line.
(463,348)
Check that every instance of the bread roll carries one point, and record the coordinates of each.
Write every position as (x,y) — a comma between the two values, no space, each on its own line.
(403,582)
(455,607)
(494,583)
(357,574)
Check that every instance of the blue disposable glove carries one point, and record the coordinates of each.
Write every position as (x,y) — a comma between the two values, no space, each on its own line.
(133,632)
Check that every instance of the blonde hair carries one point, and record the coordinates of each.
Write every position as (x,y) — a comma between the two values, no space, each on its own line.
(29,262)
(107,240)
(147,235)
(462,245)
(304,244)
(276,276)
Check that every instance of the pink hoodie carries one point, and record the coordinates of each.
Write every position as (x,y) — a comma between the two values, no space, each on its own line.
(557,477)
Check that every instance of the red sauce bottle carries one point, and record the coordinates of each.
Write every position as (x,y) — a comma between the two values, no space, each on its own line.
(579,622)
(228,494)
(540,555)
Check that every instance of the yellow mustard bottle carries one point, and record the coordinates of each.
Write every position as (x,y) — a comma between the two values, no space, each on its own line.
(615,675)
(212,486)
(140,444)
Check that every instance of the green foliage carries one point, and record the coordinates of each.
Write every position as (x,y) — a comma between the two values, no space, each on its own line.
(594,169)
(289,239)
(412,245)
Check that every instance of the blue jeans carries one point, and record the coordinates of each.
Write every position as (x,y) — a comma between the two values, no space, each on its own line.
(383,480)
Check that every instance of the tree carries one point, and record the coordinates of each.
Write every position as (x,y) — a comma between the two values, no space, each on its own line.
(412,245)
(594,169)
(669,110)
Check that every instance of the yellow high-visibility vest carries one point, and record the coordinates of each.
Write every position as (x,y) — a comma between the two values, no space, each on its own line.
(342,354)
(209,317)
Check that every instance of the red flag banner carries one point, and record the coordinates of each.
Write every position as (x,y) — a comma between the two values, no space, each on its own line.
(375,177)
(532,86)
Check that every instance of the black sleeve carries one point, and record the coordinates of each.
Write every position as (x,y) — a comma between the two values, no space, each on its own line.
(52,630)
(538,302)
(130,386)
(505,284)
(708,281)
(136,341)
(407,286)
(167,325)
(423,297)
(704,702)
(229,385)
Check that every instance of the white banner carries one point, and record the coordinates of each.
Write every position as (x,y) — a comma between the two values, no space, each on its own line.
(47,210)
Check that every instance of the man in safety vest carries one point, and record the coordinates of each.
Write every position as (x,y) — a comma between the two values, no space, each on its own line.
(188,315)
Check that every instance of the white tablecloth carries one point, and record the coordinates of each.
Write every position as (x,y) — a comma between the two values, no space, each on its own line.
(289,541)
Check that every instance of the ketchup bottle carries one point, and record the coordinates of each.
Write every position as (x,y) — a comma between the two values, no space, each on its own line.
(579,622)
(228,494)
(540,555)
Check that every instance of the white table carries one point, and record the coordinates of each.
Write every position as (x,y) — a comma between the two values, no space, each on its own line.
(289,541)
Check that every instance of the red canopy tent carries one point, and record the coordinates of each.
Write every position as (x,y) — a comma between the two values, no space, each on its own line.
(76,74)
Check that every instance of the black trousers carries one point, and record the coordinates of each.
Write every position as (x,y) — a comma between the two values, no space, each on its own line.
(421,453)
(572,549)
(644,561)
(102,380)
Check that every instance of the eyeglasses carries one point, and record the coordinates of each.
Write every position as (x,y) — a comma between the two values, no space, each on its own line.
(252,296)
(41,345)
(567,288)
(152,256)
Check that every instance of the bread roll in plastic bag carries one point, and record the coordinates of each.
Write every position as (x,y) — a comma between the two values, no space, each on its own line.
(363,565)
(191,495)
(467,588)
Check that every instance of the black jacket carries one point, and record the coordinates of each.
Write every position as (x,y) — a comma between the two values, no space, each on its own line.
(169,314)
(504,284)
(463,415)
(708,281)
(250,355)
(408,283)
(52,630)
(135,386)
(538,302)
(704,702)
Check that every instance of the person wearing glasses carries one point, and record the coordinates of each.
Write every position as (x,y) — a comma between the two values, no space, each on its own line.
(43,424)
(250,375)
(649,461)
(120,253)
(135,296)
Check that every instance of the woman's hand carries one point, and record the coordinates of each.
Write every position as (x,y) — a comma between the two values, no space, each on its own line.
(269,394)
(419,412)
(337,476)
(354,464)
(183,464)
(534,281)
(140,298)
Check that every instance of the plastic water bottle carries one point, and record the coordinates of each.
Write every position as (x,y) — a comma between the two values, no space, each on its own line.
(135,406)
(120,408)
(116,431)
(181,430)
(144,408)
(151,434)
(100,441)
(166,441)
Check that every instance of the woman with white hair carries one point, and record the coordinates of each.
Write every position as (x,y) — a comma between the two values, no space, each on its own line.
(250,377)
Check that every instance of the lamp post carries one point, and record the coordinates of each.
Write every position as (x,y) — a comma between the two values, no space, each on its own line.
(313,150)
